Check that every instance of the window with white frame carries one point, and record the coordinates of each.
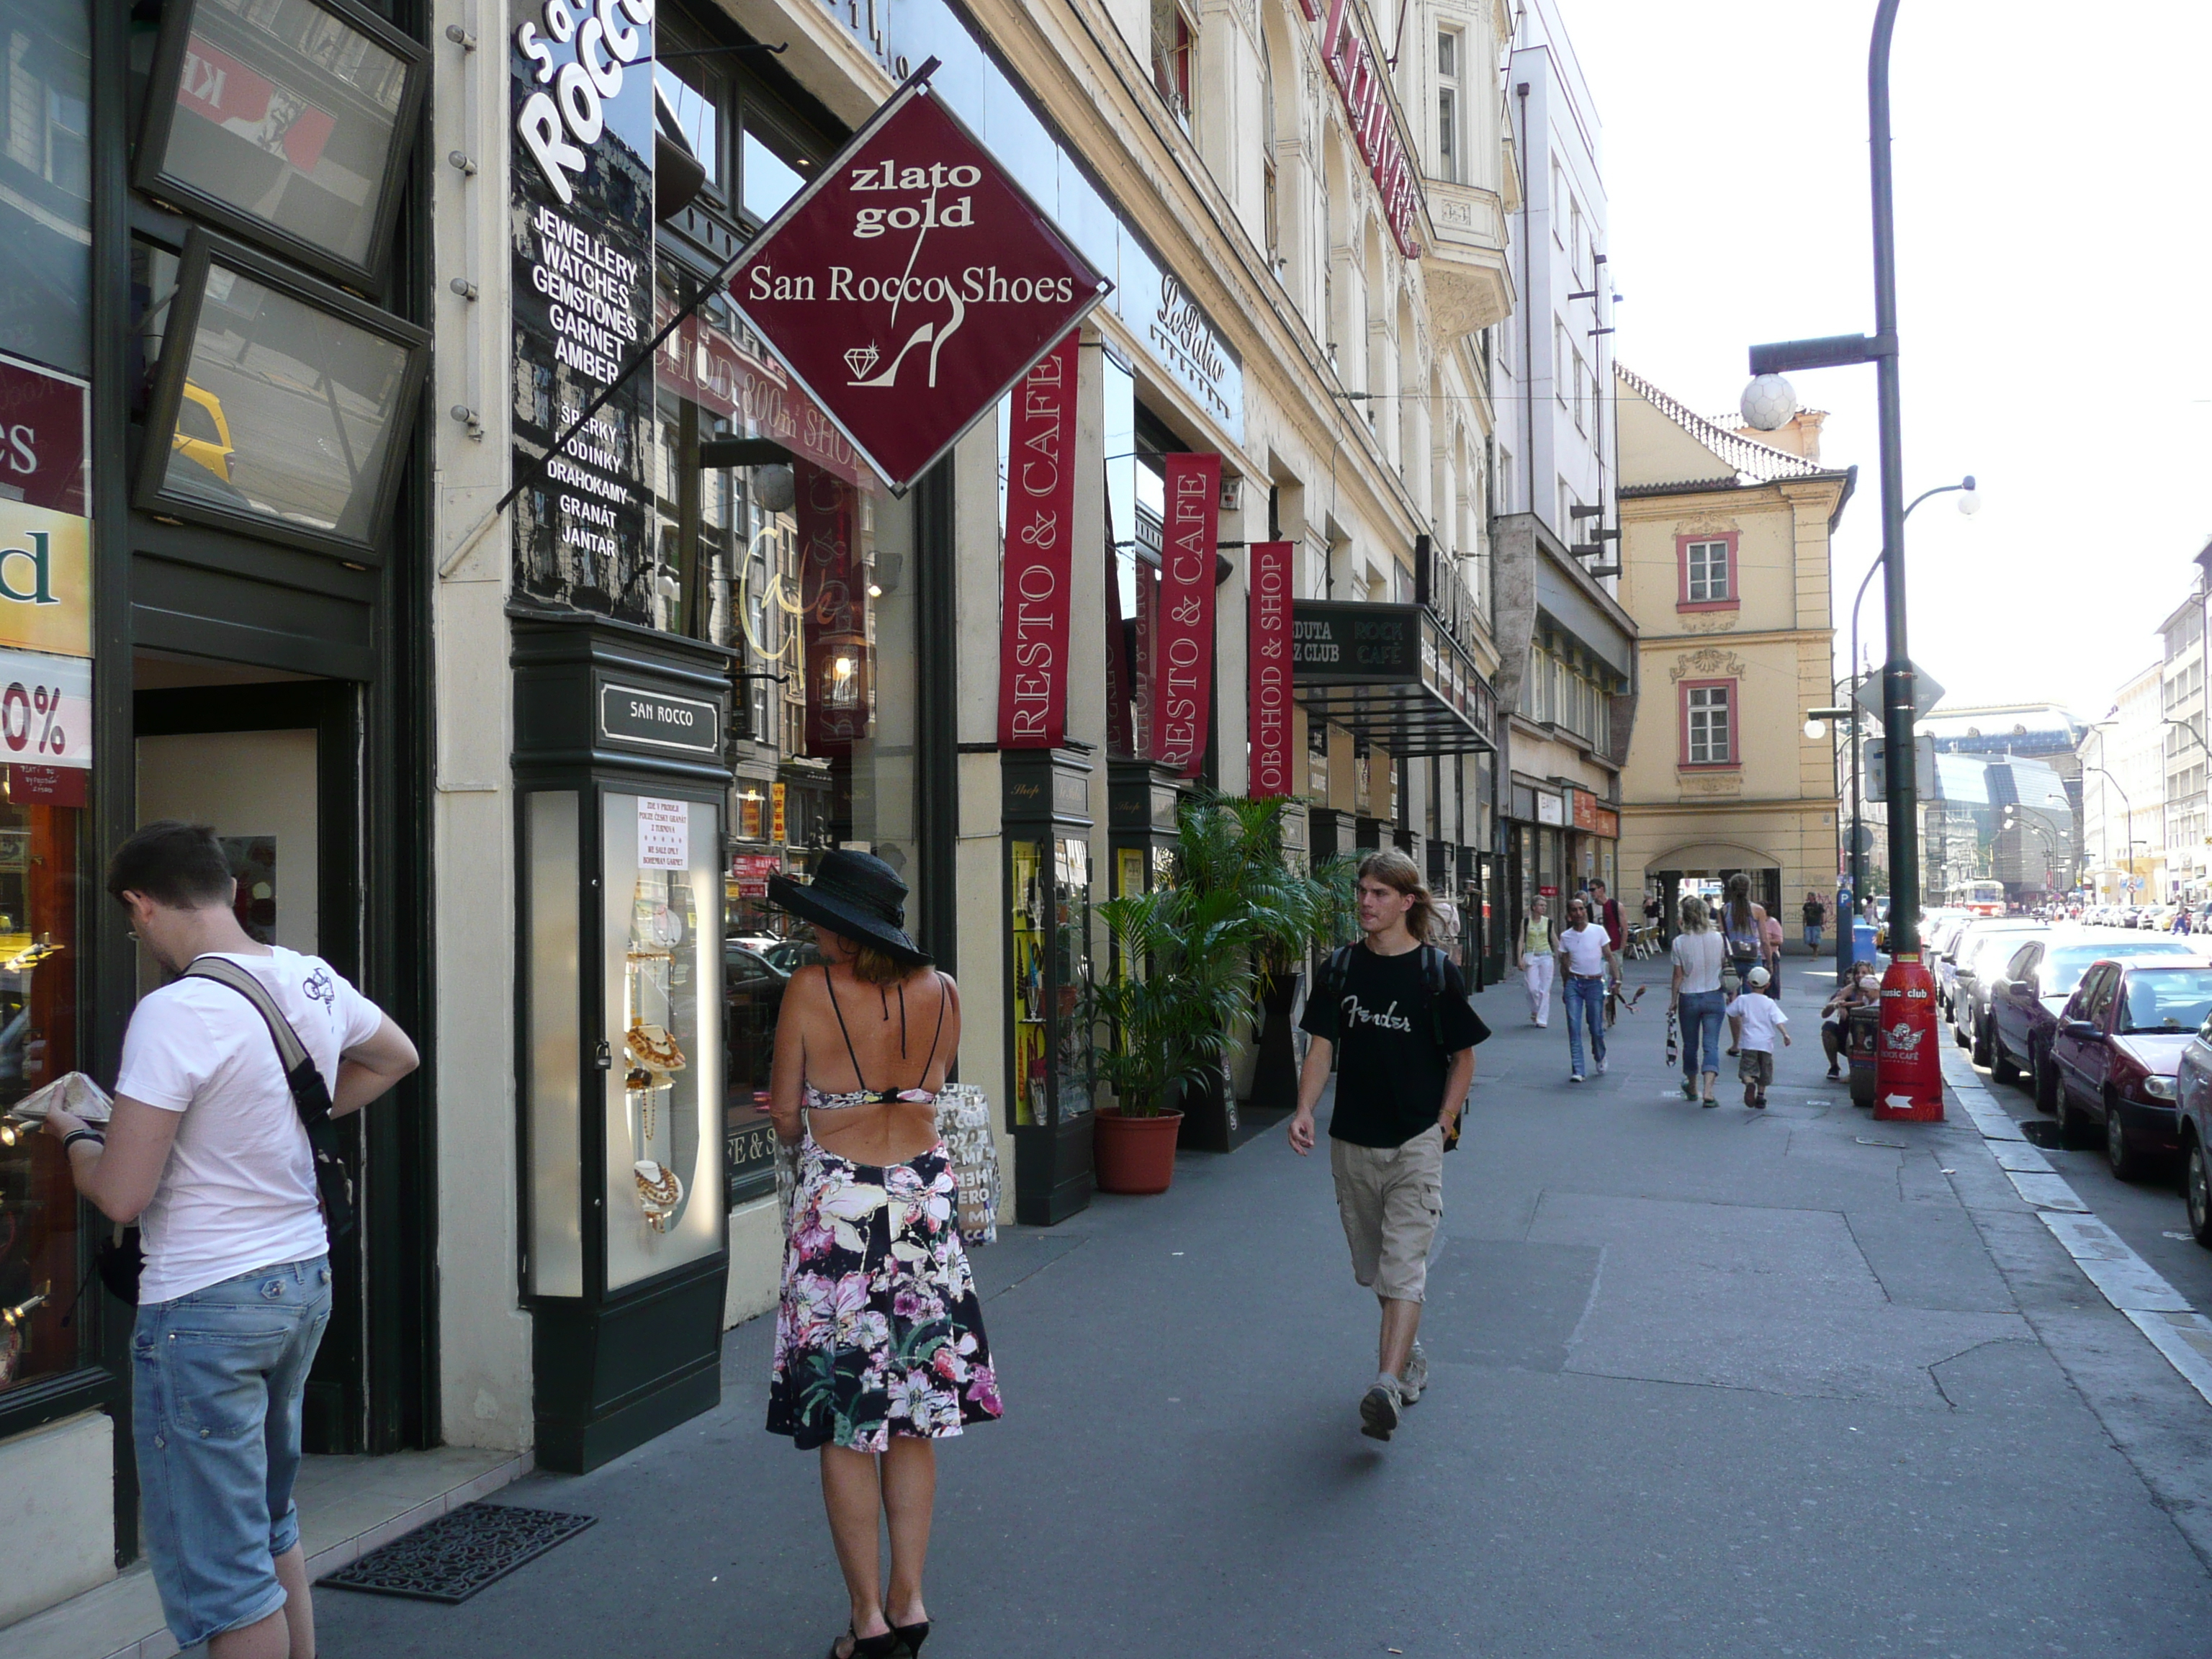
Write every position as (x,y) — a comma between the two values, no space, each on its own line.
(1449,51)
(1174,43)
(1706,578)
(1708,724)
(1270,210)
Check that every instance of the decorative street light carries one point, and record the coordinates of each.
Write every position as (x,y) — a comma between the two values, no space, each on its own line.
(1910,1083)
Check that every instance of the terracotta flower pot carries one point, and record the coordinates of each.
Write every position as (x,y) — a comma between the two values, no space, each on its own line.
(1134,1154)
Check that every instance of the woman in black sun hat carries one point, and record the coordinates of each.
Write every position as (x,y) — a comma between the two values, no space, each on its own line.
(879,1344)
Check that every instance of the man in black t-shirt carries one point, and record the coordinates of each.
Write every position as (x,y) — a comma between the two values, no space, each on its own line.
(1399,1017)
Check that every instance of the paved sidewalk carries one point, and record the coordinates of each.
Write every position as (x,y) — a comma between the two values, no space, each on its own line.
(1704,1382)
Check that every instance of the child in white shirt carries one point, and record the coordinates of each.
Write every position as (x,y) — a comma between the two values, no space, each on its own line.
(1754,1020)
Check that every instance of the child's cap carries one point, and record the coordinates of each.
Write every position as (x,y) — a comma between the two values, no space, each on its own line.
(1757,978)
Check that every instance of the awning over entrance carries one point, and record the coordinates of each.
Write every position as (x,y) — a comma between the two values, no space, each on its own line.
(1392,675)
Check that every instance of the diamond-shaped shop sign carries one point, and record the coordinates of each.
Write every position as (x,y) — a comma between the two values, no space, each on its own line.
(912,285)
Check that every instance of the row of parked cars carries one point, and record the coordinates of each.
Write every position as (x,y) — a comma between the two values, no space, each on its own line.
(2157,918)
(2111,1029)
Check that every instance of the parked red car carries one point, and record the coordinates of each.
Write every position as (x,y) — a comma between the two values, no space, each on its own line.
(2116,1051)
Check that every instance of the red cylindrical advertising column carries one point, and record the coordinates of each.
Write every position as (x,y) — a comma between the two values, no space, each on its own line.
(1908,1064)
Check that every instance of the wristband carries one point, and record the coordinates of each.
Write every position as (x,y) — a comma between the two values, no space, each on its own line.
(75,1135)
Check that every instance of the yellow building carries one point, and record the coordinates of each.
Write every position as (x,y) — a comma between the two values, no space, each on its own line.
(1725,567)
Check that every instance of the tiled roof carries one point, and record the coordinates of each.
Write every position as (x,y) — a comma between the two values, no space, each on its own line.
(1762,463)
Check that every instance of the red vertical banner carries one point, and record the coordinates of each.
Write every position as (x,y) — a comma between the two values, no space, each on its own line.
(833,610)
(1267,682)
(1033,618)
(1183,640)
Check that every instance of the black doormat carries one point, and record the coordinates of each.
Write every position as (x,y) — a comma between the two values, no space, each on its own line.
(458,1553)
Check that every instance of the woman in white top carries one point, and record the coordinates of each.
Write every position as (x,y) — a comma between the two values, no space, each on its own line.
(1532,954)
(1698,999)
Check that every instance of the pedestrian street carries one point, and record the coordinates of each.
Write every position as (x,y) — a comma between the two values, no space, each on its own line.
(1702,1382)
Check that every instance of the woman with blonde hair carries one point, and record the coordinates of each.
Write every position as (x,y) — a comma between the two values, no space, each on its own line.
(1534,954)
(1697,998)
(879,1344)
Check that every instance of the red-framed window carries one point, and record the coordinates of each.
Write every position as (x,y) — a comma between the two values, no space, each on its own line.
(1710,712)
(1708,572)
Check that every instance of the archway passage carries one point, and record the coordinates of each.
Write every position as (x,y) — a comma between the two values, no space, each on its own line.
(1705,868)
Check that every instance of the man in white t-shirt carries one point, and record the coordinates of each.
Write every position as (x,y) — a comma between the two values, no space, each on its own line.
(1587,969)
(206,1152)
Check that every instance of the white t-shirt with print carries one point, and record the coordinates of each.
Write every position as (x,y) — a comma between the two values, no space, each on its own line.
(239,1190)
(1762,1018)
(1584,948)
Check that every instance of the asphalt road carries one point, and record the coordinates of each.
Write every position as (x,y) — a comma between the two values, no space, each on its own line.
(2147,1213)
(1704,1383)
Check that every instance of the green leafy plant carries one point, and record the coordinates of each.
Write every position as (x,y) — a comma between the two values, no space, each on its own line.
(1189,960)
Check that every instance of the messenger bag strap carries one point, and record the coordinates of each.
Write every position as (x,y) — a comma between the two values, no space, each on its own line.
(311,1096)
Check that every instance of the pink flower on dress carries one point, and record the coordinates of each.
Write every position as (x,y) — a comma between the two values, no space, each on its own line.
(983,1389)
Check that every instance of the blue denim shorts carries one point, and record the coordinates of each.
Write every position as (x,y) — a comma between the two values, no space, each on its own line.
(217,1380)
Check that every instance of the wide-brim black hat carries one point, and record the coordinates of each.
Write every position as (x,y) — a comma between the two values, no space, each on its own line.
(856,895)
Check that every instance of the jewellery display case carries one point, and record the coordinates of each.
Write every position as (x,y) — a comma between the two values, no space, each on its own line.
(621,778)
(1046,823)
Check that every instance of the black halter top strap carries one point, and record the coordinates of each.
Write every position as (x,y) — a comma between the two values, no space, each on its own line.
(829,985)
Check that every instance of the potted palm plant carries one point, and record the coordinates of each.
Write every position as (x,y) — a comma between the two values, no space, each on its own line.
(1187,964)
(1180,980)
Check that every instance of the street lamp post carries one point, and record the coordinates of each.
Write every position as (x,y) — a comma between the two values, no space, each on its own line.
(1970,503)
(2127,806)
(1910,1081)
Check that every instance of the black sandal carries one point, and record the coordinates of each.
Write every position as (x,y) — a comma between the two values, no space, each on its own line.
(913,1635)
(867,1647)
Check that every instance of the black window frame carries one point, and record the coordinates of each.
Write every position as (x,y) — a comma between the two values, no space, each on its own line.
(159,117)
(203,248)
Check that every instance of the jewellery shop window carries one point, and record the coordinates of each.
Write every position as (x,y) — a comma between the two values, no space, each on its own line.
(807,572)
(660,931)
(39,1252)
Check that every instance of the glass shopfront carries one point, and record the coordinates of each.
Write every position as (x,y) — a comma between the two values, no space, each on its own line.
(784,551)
(46,712)
(41,1241)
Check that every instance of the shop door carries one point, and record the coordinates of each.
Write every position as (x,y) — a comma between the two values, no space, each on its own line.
(275,794)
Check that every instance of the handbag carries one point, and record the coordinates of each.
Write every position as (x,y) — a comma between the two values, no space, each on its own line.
(1673,1039)
(121,1258)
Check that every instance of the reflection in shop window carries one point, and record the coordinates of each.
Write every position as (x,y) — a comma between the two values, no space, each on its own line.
(286,121)
(772,169)
(46,184)
(40,1246)
(287,412)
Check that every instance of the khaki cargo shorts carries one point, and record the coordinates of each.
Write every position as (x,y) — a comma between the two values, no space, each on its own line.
(1755,1067)
(1390,1199)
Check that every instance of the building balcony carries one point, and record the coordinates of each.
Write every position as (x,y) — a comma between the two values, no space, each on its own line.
(1469,278)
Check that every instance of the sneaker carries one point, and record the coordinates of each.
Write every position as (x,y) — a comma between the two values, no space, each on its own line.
(1416,1377)
(1835,1072)
(1750,1095)
(1378,1409)
(1574,1076)
(1601,1068)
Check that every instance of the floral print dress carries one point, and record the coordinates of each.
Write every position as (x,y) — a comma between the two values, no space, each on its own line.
(879,1332)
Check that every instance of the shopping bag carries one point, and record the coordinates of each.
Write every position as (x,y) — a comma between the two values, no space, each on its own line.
(964,1118)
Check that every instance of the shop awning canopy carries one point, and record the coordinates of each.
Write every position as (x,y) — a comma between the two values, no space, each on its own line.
(1393,675)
